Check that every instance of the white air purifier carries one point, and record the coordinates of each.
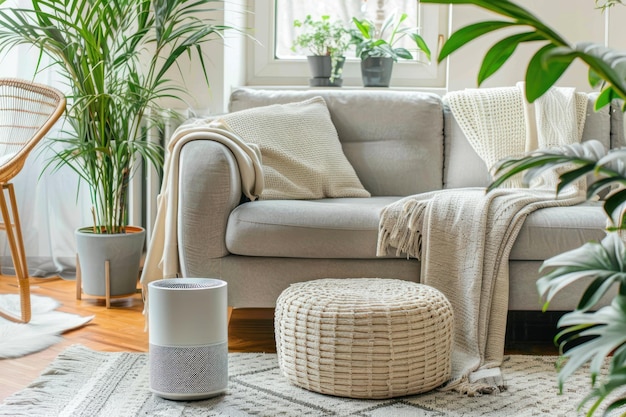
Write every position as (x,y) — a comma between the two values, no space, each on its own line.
(188,335)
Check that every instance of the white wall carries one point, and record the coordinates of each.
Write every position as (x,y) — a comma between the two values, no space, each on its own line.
(224,61)
(576,20)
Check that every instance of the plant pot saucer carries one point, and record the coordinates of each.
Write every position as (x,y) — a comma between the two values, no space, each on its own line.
(325,82)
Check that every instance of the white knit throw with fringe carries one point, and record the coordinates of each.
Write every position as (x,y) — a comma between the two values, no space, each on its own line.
(463,237)
(162,256)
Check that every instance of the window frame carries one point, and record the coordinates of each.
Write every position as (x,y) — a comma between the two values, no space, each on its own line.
(264,69)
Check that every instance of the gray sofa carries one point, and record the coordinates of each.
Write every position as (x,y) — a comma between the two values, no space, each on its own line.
(400,143)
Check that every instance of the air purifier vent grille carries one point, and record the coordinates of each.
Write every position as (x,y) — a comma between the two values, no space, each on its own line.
(188,283)
(189,371)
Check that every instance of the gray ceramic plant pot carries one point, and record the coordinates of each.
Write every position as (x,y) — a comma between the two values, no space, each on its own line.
(376,71)
(123,251)
(321,70)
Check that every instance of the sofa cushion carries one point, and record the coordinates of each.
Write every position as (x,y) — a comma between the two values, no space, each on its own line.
(301,154)
(327,228)
(348,228)
(554,230)
(393,139)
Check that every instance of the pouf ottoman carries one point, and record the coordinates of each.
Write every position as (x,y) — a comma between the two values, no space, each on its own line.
(364,337)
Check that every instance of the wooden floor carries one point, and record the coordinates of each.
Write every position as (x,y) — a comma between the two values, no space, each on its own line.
(121,328)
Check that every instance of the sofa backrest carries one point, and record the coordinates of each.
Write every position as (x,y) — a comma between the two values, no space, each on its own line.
(464,168)
(393,139)
(403,142)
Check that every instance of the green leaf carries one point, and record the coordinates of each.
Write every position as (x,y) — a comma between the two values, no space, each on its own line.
(604,262)
(363,27)
(597,186)
(609,64)
(501,52)
(421,44)
(545,68)
(594,78)
(596,290)
(614,201)
(570,176)
(468,33)
(503,7)
(604,98)
(403,53)
(513,166)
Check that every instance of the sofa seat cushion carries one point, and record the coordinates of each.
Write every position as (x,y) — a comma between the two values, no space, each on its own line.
(554,230)
(348,228)
(326,228)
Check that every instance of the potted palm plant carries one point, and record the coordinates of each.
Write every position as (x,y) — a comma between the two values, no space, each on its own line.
(586,336)
(114,56)
(327,42)
(378,49)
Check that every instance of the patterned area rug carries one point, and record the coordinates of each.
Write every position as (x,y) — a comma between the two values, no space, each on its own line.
(43,330)
(82,382)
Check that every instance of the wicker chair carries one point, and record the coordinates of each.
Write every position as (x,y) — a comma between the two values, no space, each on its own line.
(27,112)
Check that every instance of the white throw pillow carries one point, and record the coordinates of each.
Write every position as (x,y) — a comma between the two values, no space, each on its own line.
(301,153)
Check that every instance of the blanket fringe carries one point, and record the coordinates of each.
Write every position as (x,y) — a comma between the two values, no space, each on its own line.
(405,232)
(483,386)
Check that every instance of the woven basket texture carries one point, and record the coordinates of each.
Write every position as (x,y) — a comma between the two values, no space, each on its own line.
(364,337)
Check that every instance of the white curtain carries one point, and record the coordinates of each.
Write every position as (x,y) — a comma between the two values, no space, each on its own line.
(49,206)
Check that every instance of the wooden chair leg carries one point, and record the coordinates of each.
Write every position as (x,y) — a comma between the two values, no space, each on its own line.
(18,231)
(16,245)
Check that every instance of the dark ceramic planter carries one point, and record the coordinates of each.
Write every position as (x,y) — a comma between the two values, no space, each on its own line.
(321,70)
(376,71)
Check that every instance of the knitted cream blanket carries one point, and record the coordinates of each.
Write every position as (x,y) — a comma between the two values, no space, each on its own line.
(162,256)
(463,237)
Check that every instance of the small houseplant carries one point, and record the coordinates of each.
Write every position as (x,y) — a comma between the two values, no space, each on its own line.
(378,49)
(586,336)
(327,42)
(114,56)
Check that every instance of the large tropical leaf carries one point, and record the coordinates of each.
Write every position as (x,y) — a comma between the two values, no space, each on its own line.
(601,262)
(605,334)
(579,160)
(549,62)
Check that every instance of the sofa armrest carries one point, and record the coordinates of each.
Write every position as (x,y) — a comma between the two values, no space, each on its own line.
(209,189)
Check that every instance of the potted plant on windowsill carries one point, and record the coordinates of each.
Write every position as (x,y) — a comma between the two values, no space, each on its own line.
(327,42)
(378,49)
(586,337)
(115,57)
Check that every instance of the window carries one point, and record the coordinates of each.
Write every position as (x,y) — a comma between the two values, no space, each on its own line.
(272,62)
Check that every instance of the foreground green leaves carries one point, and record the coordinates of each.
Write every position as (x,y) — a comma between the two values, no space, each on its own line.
(554,55)
(604,338)
(587,337)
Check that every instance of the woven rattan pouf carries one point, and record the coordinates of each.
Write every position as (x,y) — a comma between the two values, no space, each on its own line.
(364,337)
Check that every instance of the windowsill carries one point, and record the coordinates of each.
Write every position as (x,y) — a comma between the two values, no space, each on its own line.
(435,90)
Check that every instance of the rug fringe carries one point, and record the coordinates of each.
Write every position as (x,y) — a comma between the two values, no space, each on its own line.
(53,384)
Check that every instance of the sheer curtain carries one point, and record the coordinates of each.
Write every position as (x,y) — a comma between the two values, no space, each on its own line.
(49,206)
(375,10)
